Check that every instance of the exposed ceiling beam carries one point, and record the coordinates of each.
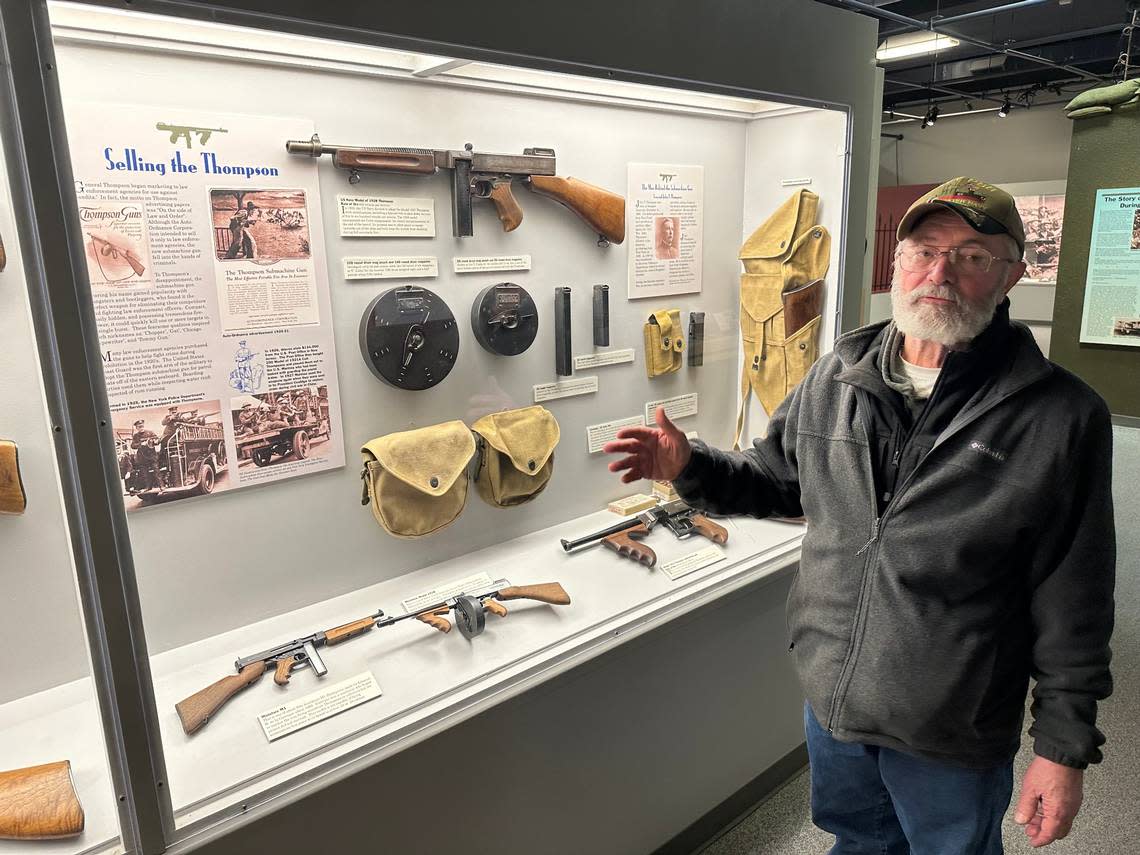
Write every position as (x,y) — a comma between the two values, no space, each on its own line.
(916,24)
(967,16)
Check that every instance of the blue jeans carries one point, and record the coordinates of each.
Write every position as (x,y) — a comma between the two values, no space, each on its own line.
(882,801)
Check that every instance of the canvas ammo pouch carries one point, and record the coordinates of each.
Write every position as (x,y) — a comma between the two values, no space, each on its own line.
(515,455)
(664,343)
(781,301)
(416,480)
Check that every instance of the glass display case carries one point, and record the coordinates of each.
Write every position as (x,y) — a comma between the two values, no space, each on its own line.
(306,270)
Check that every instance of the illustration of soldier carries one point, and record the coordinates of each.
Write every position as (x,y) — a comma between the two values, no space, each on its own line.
(246,376)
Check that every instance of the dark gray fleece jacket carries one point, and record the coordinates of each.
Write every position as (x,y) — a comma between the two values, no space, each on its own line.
(929,593)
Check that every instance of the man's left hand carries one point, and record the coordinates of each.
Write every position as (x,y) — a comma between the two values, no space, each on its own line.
(1051,795)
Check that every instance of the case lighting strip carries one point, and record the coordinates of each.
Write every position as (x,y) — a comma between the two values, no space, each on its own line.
(81,24)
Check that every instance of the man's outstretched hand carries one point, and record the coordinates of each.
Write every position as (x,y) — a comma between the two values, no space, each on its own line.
(658,453)
(1051,795)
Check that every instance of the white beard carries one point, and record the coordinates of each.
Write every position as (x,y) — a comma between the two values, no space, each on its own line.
(948,325)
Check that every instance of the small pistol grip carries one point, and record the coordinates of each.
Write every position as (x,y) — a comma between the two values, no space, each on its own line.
(284,669)
(707,528)
(506,205)
(628,543)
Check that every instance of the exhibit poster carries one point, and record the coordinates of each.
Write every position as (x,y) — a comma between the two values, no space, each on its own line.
(665,214)
(211,298)
(1112,286)
(1043,216)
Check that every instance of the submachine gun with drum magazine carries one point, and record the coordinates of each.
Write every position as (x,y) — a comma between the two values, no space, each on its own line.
(468,611)
(624,537)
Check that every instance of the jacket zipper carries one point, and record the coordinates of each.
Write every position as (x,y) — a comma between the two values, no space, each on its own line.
(862,604)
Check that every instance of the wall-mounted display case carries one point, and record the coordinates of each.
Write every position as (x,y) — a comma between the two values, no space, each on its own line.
(254,252)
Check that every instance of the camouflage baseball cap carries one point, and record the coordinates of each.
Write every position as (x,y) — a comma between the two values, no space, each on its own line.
(985,208)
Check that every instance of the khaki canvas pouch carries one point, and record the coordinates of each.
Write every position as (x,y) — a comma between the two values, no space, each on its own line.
(416,480)
(664,343)
(516,455)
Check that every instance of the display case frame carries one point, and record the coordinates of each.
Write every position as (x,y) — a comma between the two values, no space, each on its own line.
(65,327)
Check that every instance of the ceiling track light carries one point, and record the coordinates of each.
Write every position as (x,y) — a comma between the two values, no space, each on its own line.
(1004,109)
(931,116)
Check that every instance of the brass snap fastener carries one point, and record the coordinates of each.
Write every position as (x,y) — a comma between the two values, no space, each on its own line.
(434,482)
(803,345)
(530,465)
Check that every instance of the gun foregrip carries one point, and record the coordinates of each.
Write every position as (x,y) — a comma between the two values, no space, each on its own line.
(506,205)
(495,607)
(436,620)
(547,592)
(623,543)
(196,710)
(39,803)
(706,527)
(602,210)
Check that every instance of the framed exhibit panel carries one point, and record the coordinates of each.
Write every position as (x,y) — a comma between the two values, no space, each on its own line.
(356,321)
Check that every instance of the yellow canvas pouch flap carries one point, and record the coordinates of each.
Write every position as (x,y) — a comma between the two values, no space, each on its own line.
(516,455)
(775,236)
(416,480)
(809,259)
(664,342)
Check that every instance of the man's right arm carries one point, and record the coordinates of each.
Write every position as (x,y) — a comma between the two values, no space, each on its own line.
(761,481)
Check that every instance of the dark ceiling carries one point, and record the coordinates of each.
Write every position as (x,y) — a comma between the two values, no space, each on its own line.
(1088,37)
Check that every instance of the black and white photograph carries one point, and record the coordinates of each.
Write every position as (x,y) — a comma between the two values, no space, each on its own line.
(1136,229)
(1126,326)
(277,427)
(171,452)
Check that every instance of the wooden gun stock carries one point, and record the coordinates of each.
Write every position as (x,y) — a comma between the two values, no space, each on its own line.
(624,543)
(12,497)
(39,803)
(133,261)
(548,592)
(602,210)
(706,527)
(196,710)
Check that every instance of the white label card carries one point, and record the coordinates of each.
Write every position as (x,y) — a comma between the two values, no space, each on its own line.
(606,357)
(483,263)
(599,435)
(675,408)
(441,592)
(325,703)
(389,266)
(692,562)
(565,388)
(385,216)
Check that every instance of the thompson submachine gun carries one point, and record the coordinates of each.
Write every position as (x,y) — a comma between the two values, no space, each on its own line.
(624,537)
(39,803)
(476,174)
(468,612)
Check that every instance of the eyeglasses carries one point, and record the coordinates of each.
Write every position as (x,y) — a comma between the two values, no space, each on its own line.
(970,259)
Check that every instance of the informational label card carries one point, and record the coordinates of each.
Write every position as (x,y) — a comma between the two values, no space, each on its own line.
(484,263)
(692,562)
(385,216)
(390,266)
(665,213)
(605,357)
(318,706)
(1112,287)
(599,435)
(211,297)
(675,408)
(565,389)
(447,589)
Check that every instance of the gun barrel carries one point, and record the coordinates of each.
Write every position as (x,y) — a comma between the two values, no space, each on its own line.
(586,540)
(313,147)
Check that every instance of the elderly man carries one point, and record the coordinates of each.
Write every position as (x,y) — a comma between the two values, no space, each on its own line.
(959,540)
